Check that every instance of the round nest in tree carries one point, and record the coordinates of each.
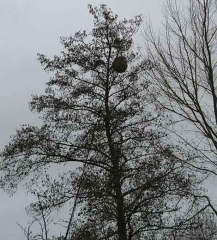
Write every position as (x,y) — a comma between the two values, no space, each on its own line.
(120,64)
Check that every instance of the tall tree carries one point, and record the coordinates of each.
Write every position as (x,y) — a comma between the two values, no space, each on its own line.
(184,71)
(97,111)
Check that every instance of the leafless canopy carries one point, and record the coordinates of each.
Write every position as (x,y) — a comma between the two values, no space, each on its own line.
(184,68)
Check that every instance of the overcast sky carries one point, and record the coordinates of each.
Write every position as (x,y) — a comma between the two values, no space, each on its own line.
(28,27)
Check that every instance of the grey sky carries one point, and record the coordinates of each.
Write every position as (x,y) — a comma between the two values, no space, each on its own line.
(28,27)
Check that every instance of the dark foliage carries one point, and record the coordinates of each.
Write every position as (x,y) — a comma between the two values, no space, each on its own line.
(131,180)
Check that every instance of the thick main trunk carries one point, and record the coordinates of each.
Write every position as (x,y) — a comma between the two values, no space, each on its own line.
(121,221)
(116,172)
(116,178)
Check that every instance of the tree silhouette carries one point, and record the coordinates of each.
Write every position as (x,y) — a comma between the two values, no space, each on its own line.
(184,71)
(97,111)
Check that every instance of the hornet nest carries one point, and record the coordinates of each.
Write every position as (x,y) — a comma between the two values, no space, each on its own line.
(120,64)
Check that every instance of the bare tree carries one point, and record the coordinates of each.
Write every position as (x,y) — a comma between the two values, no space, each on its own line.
(184,71)
(28,233)
(202,227)
(41,218)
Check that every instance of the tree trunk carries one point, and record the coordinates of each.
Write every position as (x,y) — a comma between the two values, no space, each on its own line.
(116,172)
(121,221)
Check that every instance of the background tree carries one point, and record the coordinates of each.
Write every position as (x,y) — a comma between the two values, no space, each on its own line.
(41,218)
(202,227)
(184,71)
(97,111)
